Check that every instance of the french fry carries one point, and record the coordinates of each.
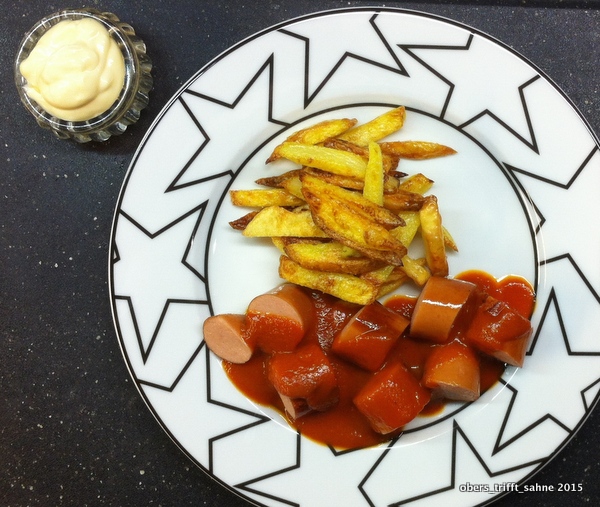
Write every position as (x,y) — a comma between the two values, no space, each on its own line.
(331,256)
(279,242)
(339,144)
(355,230)
(279,180)
(395,279)
(338,180)
(390,161)
(284,241)
(416,150)
(405,234)
(378,276)
(403,200)
(241,223)
(260,198)
(327,159)
(317,133)
(415,269)
(390,183)
(344,286)
(277,221)
(433,237)
(417,183)
(373,187)
(319,189)
(376,129)
(294,186)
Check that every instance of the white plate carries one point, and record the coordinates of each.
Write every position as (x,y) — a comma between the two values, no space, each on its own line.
(518,197)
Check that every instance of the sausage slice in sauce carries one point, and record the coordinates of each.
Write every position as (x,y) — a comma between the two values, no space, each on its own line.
(304,379)
(391,398)
(369,336)
(278,320)
(225,335)
(499,331)
(452,371)
(444,308)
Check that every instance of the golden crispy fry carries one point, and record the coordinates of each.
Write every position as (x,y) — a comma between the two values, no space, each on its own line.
(376,129)
(260,198)
(322,190)
(336,179)
(390,162)
(344,286)
(406,233)
(394,280)
(331,256)
(378,276)
(317,133)
(279,243)
(355,230)
(373,188)
(417,183)
(416,150)
(390,183)
(278,181)
(402,200)
(290,240)
(282,242)
(327,159)
(433,237)
(294,186)
(340,144)
(241,223)
(415,270)
(277,221)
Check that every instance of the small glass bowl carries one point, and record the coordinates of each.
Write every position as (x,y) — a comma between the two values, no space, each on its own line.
(132,99)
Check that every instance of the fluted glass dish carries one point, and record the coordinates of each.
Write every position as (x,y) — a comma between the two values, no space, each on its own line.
(137,83)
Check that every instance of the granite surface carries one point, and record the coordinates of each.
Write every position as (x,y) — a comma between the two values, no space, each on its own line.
(73,429)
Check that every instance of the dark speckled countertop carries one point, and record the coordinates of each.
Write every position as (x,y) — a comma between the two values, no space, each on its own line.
(73,428)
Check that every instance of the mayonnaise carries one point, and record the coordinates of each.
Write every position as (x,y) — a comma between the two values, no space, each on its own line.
(75,71)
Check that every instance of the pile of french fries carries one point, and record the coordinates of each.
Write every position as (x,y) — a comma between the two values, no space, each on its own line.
(345,218)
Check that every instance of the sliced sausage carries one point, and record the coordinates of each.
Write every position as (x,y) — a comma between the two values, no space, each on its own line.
(320,401)
(444,308)
(369,336)
(452,372)
(391,398)
(300,373)
(500,331)
(295,408)
(278,320)
(225,335)
(304,377)
(513,352)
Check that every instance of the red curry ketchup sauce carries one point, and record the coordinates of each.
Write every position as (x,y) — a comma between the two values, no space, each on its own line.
(514,290)
(343,425)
